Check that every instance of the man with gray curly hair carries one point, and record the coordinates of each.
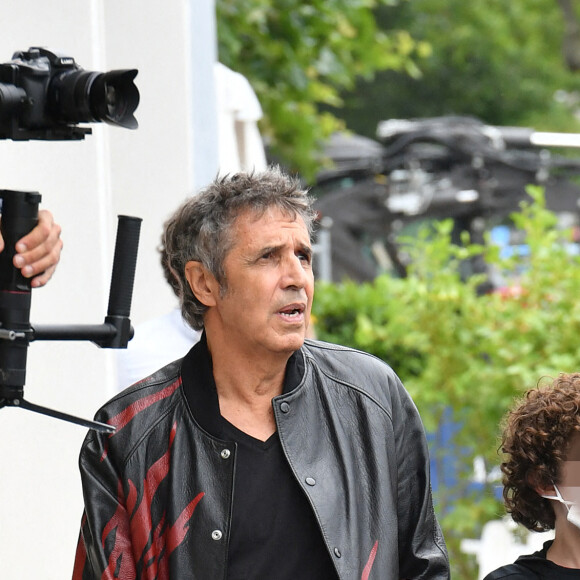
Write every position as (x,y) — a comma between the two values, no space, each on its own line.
(202,229)
(261,454)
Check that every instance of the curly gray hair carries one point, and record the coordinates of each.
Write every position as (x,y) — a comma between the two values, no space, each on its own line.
(201,228)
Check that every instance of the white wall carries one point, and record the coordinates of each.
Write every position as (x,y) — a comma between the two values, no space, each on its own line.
(85,184)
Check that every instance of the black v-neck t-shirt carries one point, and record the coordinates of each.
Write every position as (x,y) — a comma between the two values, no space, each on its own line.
(274,532)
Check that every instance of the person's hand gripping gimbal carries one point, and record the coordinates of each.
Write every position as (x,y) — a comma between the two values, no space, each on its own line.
(38,252)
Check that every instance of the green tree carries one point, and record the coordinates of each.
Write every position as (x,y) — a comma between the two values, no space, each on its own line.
(501,62)
(462,356)
(298,56)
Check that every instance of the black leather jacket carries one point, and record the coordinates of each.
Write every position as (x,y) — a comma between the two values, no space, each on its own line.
(158,492)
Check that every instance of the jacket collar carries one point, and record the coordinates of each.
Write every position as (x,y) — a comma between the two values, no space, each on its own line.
(200,390)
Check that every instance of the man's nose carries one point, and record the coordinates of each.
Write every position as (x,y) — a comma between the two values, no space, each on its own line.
(295,273)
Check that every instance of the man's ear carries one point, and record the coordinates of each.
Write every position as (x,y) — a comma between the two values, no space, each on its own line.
(202,282)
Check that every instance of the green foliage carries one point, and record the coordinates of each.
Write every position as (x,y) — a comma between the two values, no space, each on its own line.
(320,66)
(470,353)
(501,62)
(299,55)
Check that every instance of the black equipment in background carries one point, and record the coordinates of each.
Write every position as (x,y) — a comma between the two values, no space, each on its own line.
(431,169)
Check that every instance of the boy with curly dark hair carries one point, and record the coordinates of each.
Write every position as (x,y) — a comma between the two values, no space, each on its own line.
(541,478)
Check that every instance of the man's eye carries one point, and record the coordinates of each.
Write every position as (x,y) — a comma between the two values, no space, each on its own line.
(305,257)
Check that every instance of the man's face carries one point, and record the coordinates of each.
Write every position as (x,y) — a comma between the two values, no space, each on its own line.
(269,283)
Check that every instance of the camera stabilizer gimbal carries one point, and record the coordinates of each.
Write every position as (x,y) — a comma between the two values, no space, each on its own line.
(45,95)
(19,216)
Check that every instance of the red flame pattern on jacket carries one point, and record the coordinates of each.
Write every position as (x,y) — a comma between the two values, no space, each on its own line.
(123,418)
(131,532)
(369,566)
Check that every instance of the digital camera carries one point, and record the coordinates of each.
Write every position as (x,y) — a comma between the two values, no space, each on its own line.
(44,95)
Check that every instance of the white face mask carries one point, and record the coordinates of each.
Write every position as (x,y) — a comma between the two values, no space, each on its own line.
(573,508)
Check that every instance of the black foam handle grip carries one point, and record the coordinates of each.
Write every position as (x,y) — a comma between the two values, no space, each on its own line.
(19,216)
(124,262)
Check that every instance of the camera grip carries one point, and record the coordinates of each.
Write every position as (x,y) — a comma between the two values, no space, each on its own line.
(19,216)
(19,211)
(124,263)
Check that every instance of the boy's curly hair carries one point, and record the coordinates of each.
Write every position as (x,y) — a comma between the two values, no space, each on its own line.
(536,436)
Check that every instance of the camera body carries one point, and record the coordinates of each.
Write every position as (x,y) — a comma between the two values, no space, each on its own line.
(44,95)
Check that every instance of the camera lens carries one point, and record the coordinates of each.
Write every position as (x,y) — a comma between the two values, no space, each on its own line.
(80,96)
(67,98)
(114,97)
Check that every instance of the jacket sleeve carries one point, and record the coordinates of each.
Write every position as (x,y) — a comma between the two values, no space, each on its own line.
(422,551)
(104,548)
